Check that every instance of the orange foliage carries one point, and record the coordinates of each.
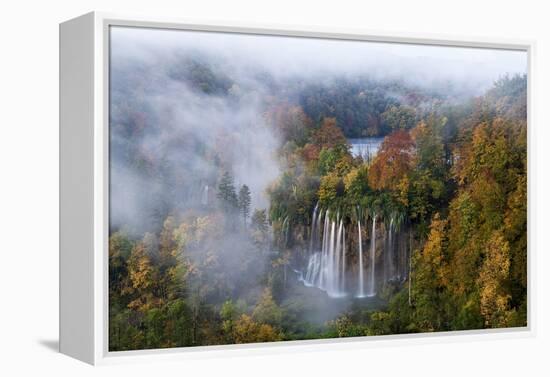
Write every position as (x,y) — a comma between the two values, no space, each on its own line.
(329,135)
(393,161)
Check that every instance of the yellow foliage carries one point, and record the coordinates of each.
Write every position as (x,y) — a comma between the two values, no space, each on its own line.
(494,300)
(402,190)
(329,188)
(246,330)
(432,254)
(350,178)
(139,268)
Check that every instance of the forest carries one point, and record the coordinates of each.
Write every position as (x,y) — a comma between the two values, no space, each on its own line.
(239,212)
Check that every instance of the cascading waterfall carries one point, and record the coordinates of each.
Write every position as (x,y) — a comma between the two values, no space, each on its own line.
(343,275)
(335,267)
(328,262)
(361,279)
(326,267)
(372,285)
(389,257)
(313,236)
(324,251)
(204,196)
(285,227)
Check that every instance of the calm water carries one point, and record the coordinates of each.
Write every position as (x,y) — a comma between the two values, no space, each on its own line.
(366,147)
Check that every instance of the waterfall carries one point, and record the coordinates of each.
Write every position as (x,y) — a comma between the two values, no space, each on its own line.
(390,253)
(204,196)
(361,279)
(326,267)
(335,270)
(324,252)
(402,270)
(328,262)
(329,274)
(372,286)
(285,229)
(313,229)
(343,280)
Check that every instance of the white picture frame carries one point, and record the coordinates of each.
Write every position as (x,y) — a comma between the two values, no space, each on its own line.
(84,157)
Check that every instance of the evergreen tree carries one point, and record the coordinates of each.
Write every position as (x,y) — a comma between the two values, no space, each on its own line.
(244,202)
(227,193)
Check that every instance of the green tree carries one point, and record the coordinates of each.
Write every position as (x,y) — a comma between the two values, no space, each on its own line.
(154,323)
(267,311)
(327,160)
(227,193)
(356,183)
(429,180)
(259,220)
(229,314)
(399,117)
(244,202)
(178,324)
(259,226)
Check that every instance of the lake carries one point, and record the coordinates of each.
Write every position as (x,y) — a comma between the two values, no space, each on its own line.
(366,147)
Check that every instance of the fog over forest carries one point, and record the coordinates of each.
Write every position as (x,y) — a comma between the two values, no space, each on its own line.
(159,96)
(267,188)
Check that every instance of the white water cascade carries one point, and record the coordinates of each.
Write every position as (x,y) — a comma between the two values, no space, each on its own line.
(361,267)
(313,235)
(372,285)
(204,196)
(343,275)
(389,265)
(328,262)
(326,267)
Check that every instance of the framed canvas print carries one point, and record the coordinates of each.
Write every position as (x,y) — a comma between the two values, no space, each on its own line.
(226,187)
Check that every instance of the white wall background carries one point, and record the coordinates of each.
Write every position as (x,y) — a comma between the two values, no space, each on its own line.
(29,186)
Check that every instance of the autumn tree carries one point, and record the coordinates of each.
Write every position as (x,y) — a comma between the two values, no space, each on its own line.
(393,161)
(329,135)
(494,297)
(169,283)
(515,231)
(141,273)
(356,183)
(430,278)
(331,187)
(247,330)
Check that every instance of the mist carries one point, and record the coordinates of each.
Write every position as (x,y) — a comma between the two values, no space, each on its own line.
(183,137)
(282,57)
(322,243)
(175,127)
(186,107)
